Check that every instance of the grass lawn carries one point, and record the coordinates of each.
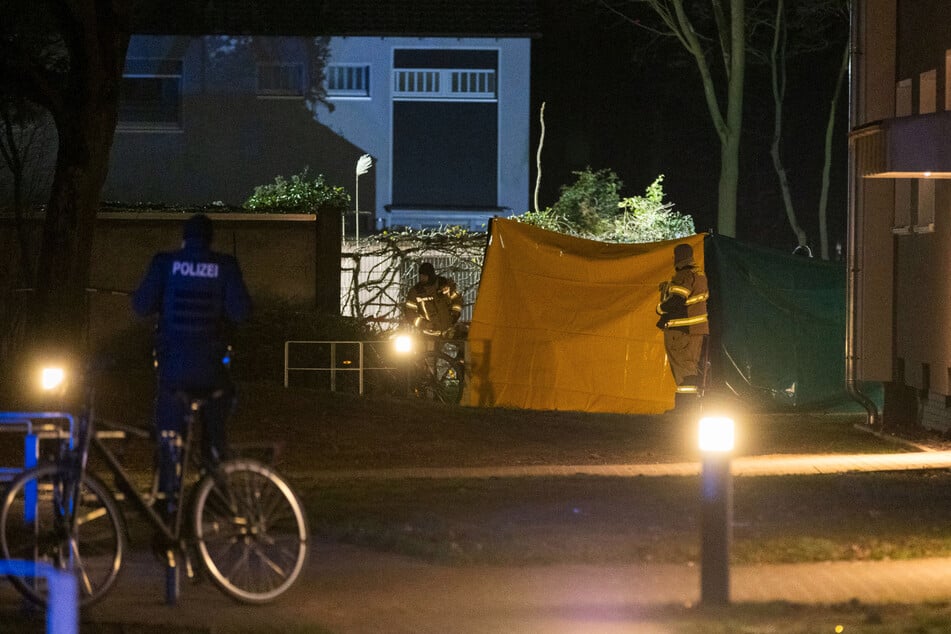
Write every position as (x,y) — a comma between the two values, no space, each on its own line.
(584,519)
(579,519)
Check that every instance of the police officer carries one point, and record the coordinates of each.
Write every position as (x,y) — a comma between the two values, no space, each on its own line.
(198,294)
(433,305)
(683,318)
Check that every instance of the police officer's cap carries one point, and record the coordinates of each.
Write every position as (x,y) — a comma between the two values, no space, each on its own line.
(198,227)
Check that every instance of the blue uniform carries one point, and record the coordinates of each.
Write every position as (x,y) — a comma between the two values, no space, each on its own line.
(198,295)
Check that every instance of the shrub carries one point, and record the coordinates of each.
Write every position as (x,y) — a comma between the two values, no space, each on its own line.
(648,218)
(300,194)
(589,202)
(635,219)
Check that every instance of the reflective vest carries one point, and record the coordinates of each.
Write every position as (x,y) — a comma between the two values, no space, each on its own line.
(434,308)
(683,302)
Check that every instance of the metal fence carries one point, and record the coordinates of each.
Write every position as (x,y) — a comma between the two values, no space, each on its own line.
(374,285)
(342,366)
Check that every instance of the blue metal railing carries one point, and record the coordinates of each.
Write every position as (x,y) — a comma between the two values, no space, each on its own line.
(34,430)
(62,607)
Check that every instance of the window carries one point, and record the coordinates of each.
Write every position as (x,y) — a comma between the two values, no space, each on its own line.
(914,195)
(444,83)
(280,80)
(927,92)
(150,95)
(348,80)
(947,80)
(902,206)
(903,98)
(925,222)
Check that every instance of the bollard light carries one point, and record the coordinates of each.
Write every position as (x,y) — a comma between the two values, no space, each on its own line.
(716,434)
(716,439)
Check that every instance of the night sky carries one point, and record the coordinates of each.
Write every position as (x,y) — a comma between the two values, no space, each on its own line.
(606,109)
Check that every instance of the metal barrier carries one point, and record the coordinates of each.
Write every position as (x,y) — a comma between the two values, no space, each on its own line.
(34,431)
(338,358)
(62,610)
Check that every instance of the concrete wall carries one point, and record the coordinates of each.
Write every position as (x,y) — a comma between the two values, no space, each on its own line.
(277,253)
(293,256)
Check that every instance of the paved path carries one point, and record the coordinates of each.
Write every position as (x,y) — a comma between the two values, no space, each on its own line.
(780,464)
(350,590)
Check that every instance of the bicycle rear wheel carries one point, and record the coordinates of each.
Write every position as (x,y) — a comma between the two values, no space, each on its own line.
(35,526)
(250,531)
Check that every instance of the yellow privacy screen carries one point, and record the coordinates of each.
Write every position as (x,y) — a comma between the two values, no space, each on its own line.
(563,323)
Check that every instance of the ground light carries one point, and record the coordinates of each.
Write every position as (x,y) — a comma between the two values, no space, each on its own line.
(716,440)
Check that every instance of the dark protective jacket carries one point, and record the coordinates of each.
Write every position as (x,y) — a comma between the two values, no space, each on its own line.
(434,307)
(198,294)
(683,302)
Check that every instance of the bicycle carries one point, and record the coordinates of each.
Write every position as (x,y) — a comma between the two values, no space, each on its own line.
(436,368)
(245,522)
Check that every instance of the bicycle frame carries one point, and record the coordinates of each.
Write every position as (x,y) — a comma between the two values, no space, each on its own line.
(144,506)
(88,440)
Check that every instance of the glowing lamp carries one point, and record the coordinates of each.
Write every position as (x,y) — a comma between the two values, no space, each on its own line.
(716,434)
(403,344)
(51,378)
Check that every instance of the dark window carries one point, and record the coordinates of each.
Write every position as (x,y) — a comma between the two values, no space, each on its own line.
(445,58)
(152,98)
(281,79)
(445,154)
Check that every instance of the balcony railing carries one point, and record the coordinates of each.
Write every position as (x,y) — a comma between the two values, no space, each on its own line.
(444,83)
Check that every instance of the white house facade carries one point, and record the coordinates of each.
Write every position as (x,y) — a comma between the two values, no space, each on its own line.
(206,116)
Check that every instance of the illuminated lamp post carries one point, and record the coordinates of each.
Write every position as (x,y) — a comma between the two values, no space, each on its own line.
(716,440)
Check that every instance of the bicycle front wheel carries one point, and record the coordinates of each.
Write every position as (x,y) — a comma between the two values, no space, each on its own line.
(41,521)
(250,531)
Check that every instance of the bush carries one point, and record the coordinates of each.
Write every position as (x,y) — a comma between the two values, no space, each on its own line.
(648,218)
(589,202)
(300,194)
(635,219)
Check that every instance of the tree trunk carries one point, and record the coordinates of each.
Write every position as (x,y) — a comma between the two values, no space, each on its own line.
(85,111)
(827,163)
(729,184)
(733,122)
(85,139)
(777,68)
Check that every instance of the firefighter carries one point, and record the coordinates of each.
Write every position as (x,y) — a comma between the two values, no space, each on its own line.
(433,305)
(683,318)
